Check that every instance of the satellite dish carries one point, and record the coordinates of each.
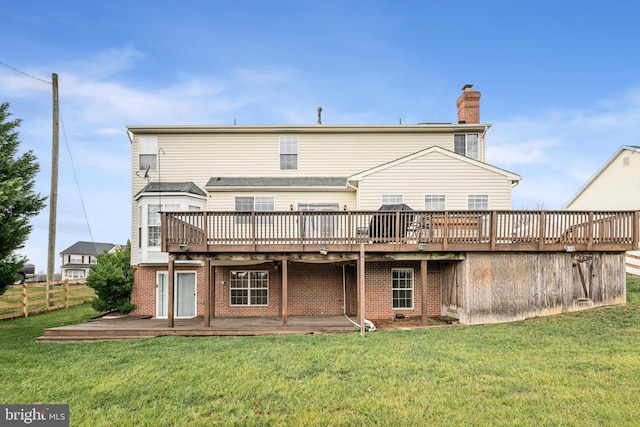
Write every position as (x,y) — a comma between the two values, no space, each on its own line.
(146,172)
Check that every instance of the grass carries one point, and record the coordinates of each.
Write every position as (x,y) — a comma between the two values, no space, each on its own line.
(577,369)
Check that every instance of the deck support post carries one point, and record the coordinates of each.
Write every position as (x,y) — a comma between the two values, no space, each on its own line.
(171,286)
(361,281)
(284,307)
(425,299)
(207,292)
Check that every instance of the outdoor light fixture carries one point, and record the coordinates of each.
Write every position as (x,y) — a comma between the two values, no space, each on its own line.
(344,208)
(184,247)
(290,207)
(569,248)
(324,251)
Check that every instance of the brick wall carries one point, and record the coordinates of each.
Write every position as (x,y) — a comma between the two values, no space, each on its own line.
(314,290)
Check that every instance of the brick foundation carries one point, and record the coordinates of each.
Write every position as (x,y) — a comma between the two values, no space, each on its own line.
(313,290)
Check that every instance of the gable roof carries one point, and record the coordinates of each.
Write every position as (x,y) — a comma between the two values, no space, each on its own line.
(271,183)
(631,148)
(88,248)
(172,187)
(515,178)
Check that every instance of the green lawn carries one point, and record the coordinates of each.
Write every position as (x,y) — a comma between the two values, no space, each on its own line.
(580,369)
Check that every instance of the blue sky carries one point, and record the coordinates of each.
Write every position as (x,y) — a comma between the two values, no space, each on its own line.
(559,82)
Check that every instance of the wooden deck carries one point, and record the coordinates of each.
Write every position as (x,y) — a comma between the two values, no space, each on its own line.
(398,231)
(137,327)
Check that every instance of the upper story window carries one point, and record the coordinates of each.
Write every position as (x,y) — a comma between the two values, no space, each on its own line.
(154,231)
(478,202)
(288,152)
(75,259)
(92,259)
(254,204)
(392,199)
(434,202)
(466,144)
(147,152)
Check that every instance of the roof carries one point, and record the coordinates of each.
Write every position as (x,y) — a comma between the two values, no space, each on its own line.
(308,129)
(172,187)
(88,248)
(515,178)
(226,183)
(632,148)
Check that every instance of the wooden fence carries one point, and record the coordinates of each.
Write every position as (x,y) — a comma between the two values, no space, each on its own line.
(33,298)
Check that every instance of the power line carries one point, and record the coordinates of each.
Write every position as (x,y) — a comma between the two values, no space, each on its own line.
(75,177)
(25,73)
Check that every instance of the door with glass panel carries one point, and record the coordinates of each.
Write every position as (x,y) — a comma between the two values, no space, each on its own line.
(318,226)
(184,297)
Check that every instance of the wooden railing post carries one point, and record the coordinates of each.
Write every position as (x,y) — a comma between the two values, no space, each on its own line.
(542,230)
(164,231)
(25,300)
(445,238)
(636,230)
(590,229)
(66,293)
(205,230)
(494,229)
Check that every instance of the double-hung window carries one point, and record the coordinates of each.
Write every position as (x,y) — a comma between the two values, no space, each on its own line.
(392,199)
(249,288)
(288,152)
(75,259)
(147,152)
(478,202)
(402,288)
(153,225)
(466,144)
(254,204)
(434,202)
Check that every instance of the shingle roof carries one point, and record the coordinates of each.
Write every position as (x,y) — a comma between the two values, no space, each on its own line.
(172,187)
(222,182)
(88,248)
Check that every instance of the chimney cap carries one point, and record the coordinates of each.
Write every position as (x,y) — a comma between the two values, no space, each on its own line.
(467,87)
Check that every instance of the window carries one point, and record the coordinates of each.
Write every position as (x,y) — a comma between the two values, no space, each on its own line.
(147,152)
(74,274)
(254,204)
(75,259)
(402,288)
(392,199)
(478,202)
(434,202)
(249,288)
(466,144)
(139,226)
(92,260)
(288,152)
(153,225)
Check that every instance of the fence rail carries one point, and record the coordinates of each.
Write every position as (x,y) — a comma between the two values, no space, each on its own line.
(33,298)
(475,230)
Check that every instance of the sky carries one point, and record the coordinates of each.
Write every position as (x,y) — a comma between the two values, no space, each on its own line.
(559,82)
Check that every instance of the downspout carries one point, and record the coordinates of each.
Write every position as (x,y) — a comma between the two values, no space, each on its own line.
(357,190)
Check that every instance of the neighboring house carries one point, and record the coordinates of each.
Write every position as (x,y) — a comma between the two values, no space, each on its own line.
(78,258)
(616,186)
(269,216)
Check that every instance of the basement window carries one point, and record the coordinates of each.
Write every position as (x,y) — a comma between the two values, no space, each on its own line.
(249,288)
(402,288)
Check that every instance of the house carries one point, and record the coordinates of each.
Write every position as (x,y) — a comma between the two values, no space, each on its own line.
(304,220)
(78,258)
(616,186)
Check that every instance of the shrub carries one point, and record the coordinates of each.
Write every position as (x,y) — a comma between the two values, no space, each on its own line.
(112,277)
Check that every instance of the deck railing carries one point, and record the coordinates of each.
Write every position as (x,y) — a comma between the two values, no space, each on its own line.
(430,230)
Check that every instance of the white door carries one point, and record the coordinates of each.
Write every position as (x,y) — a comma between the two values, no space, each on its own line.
(321,225)
(184,304)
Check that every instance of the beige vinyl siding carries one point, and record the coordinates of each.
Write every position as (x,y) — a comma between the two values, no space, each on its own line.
(436,173)
(616,188)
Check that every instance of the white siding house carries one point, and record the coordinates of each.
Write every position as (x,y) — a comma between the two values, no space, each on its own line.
(616,186)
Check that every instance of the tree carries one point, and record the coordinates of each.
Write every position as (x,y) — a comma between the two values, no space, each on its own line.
(18,201)
(112,278)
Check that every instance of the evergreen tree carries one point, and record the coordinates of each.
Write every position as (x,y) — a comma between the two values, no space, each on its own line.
(18,201)
(112,277)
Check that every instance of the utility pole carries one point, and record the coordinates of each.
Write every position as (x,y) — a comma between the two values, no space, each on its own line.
(53,196)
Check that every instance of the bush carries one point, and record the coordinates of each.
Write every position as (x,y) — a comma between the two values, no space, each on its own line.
(112,277)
